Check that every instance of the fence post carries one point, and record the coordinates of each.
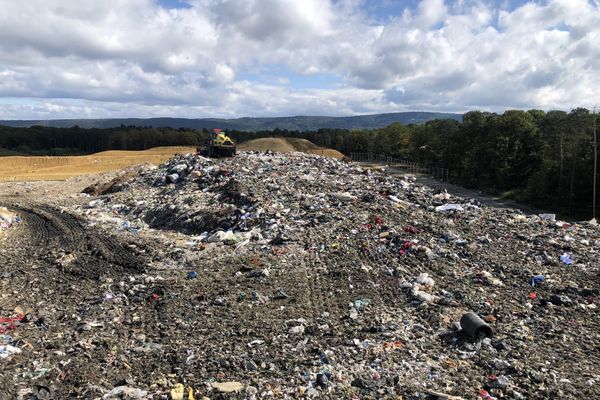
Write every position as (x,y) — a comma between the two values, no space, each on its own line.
(410,167)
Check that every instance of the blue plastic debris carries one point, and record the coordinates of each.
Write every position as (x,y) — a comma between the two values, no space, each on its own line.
(537,280)
(192,275)
(566,258)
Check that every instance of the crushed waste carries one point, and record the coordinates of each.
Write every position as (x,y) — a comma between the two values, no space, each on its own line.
(272,275)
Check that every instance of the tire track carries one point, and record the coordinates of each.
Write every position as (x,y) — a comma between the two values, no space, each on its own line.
(51,231)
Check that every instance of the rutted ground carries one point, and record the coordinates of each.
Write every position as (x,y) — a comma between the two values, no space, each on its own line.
(292,275)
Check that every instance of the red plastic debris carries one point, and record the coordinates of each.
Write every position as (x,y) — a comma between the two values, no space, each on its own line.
(378,220)
(532,295)
(9,323)
(392,345)
(409,229)
(154,297)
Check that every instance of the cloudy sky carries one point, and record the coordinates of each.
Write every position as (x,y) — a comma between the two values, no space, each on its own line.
(232,58)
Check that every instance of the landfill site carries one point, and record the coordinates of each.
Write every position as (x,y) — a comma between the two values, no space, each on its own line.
(289,275)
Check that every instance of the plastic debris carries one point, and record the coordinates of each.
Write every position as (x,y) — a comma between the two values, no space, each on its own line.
(319,279)
(8,218)
(227,387)
(125,392)
(449,207)
(192,275)
(177,392)
(548,217)
(537,280)
(566,258)
(8,350)
(360,304)
(532,295)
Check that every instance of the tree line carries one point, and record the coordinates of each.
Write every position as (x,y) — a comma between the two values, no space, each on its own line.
(41,140)
(541,158)
(545,159)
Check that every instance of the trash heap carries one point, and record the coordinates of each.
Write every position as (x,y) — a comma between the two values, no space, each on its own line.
(8,218)
(299,276)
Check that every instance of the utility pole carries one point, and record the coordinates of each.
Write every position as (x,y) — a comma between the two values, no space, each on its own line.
(595,168)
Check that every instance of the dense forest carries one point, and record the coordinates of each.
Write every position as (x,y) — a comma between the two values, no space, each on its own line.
(40,140)
(543,158)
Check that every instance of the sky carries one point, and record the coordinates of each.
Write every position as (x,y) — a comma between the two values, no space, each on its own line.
(264,58)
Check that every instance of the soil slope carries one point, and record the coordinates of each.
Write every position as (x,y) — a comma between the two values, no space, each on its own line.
(35,168)
(288,145)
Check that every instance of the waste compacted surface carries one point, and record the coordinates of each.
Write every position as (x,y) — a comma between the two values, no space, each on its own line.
(290,276)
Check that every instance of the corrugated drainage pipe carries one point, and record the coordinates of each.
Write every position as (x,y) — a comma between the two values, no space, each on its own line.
(475,327)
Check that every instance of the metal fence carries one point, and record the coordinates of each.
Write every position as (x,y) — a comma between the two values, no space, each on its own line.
(410,167)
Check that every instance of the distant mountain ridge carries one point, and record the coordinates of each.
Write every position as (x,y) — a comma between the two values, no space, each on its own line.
(300,123)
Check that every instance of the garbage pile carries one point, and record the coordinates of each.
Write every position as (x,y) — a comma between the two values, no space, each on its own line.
(299,276)
(8,218)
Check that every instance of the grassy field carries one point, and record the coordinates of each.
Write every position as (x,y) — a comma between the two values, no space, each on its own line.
(30,168)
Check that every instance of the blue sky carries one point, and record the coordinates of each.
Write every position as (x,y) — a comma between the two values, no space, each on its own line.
(169,4)
(234,58)
(384,10)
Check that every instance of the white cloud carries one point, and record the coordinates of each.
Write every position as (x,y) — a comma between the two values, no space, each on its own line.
(61,58)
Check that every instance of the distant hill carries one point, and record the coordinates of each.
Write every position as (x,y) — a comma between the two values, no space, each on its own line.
(299,123)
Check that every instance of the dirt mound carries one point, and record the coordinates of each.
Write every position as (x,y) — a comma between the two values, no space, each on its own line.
(263,144)
(288,145)
(113,185)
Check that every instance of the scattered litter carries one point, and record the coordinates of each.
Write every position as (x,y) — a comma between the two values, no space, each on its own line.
(449,207)
(294,276)
(227,387)
(566,258)
(537,280)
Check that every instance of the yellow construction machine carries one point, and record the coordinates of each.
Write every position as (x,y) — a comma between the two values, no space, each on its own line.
(218,145)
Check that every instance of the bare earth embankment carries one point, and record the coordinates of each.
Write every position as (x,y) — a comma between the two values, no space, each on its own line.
(36,168)
(288,145)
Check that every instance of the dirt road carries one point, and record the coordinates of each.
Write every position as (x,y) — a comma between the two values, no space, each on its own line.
(490,201)
(455,190)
